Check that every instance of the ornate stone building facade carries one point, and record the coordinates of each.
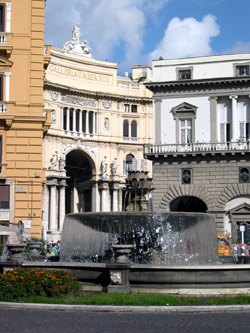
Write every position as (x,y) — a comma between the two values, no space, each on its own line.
(100,122)
(201,157)
(22,120)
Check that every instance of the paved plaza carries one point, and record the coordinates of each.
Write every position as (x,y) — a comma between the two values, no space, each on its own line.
(68,321)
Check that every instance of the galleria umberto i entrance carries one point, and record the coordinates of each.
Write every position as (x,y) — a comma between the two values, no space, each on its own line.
(99,124)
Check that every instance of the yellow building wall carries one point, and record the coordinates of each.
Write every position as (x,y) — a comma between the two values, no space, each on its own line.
(22,125)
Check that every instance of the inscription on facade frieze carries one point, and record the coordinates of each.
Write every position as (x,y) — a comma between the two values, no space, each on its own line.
(78,101)
(80,74)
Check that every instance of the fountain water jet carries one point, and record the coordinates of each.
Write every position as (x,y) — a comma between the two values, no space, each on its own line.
(163,238)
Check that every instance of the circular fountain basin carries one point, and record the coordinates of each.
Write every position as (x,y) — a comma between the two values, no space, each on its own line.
(157,238)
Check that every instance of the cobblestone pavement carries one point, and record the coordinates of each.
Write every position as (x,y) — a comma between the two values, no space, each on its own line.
(54,321)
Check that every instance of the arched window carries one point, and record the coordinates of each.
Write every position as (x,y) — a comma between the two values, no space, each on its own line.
(130,164)
(125,129)
(134,129)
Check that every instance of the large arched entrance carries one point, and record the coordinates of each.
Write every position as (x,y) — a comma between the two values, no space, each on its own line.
(79,186)
(188,204)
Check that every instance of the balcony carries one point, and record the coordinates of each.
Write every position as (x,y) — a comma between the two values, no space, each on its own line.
(7,112)
(6,42)
(193,149)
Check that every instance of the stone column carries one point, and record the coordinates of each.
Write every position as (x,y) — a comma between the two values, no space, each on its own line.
(157,132)
(105,198)
(8,17)
(214,134)
(7,86)
(93,124)
(76,200)
(45,207)
(116,198)
(74,121)
(87,123)
(96,122)
(120,200)
(68,120)
(80,123)
(53,205)
(62,118)
(234,137)
(61,207)
(95,202)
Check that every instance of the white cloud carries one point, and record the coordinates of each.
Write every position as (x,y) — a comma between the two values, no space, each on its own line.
(105,24)
(187,38)
(239,47)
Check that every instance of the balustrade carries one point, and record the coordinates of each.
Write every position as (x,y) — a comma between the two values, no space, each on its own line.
(197,147)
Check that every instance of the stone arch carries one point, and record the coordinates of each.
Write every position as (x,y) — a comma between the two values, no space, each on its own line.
(175,191)
(80,171)
(231,191)
(88,154)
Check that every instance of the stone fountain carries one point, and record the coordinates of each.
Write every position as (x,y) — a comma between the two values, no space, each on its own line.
(138,188)
(145,251)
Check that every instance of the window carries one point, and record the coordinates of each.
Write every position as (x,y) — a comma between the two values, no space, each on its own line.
(185,131)
(243,122)
(184,74)
(2,17)
(134,108)
(4,197)
(242,70)
(125,129)
(126,107)
(134,129)
(225,128)
(186,176)
(244,175)
(185,115)
(130,164)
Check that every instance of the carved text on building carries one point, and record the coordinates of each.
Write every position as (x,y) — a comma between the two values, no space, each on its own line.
(80,74)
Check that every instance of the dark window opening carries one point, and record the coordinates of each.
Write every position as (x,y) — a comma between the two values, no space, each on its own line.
(244,175)
(2,18)
(134,129)
(186,176)
(4,197)
(185,74)
(134,108)
(242,70)
(125,129)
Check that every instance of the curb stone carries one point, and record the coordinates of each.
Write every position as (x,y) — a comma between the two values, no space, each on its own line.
(124,308)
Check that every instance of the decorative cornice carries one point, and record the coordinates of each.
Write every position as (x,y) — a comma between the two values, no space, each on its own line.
(203,84)
(97,95)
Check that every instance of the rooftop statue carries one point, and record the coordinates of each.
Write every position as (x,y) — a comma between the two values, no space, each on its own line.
(74,46)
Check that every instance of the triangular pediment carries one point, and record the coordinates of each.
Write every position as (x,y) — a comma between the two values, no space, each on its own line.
(241,209)
(5,62)
(185,109)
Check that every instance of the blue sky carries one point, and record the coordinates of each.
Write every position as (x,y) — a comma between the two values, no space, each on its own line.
(133,32)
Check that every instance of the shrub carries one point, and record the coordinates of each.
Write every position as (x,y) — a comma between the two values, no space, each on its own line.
(22,283)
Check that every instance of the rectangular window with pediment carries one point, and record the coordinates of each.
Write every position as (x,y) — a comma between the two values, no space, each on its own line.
(243,120)
(185,115)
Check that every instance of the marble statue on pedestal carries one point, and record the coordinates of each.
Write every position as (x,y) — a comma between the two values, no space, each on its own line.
(74,46)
